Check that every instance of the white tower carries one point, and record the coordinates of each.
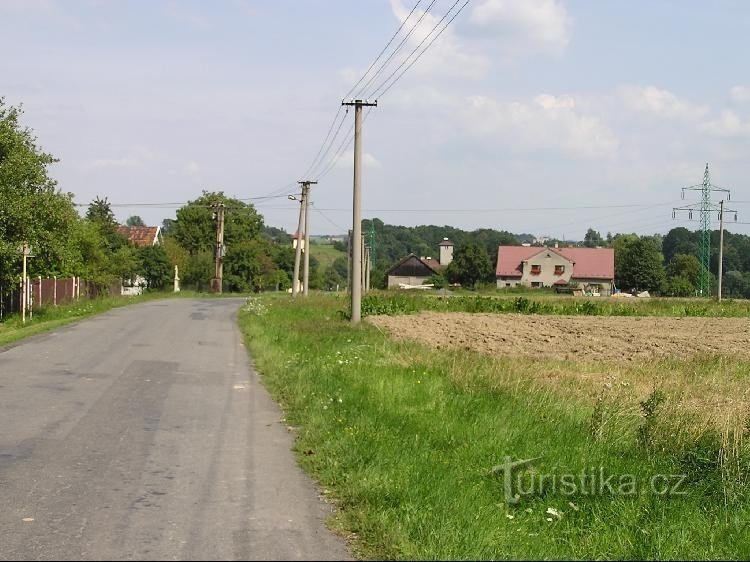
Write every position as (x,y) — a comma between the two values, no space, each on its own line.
(446,251)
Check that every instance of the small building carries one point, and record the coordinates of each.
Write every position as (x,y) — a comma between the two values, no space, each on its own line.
(590,269)
(140,237)
(298,238)
(412,270)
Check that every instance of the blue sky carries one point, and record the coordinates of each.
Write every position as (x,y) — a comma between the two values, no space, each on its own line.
(519,105)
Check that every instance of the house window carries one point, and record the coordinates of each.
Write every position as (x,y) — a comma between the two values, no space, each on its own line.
(507,284)
(536,269)
(536,284)
(559,269)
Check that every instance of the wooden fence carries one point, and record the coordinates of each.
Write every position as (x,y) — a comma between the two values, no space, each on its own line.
(52,292)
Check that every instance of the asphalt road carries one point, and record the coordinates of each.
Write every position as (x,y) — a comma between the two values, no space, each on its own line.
(144,433)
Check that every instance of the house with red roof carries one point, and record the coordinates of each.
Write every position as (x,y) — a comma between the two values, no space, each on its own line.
(141,236)
(533,266)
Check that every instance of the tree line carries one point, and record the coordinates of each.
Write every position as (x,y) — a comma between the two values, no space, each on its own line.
(34,210)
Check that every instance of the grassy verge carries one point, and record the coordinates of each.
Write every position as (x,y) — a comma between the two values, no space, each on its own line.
(404,439)
(392,302)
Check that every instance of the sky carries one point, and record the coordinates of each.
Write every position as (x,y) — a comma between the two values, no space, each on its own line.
(543,116)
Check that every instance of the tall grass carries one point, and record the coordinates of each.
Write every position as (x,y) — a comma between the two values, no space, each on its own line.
(404,438)
(389,302)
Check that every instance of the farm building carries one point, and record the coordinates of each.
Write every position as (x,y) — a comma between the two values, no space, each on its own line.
(140,237)
(587,268)
(414,271)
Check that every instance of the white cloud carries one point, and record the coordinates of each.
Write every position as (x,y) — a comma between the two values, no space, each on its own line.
(729,124)
(740,94)
(447,56)
(545,123)
(526,25)
(661,103)
(346,160)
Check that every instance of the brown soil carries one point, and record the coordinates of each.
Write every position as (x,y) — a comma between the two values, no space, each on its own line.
(574,337)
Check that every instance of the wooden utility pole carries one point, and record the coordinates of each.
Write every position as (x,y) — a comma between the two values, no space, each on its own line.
(721,245)
(356,279)
(219,251)
(306,203)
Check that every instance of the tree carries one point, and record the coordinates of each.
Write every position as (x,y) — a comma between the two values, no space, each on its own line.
(31,210)
(687,267)
(134,220)
(470,265)
(592,239)
(195,226)
(639,265)
(679,241)
(154,266)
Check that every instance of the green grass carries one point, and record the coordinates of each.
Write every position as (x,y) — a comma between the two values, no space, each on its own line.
(393,302)
(325,254)
(404,438)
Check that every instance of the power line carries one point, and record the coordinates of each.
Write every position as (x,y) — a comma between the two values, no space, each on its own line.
(395,51)
(375,93)
(316,167)
(400,27)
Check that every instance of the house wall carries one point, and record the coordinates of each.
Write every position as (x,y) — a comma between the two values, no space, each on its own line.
(508,282)
(605,284)
(394,280)
(547,260)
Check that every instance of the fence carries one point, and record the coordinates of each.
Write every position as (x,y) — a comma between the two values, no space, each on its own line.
(52,292)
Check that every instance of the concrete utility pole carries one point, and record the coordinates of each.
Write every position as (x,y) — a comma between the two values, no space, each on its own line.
(356,279)
(25,250)
(306,198)
(349,261)
(721,244)
(364,264)
(218,281)
(301,227)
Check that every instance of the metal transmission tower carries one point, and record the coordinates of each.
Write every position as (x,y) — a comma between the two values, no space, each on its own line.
(705,207)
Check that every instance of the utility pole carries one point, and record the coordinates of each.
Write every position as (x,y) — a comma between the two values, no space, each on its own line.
(356,279)
(721,244)
(298,247)
(25,250)
(704,207)
(349,261)
(219,251)
(306,198)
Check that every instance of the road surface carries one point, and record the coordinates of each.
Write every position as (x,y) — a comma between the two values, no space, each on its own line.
(144,433)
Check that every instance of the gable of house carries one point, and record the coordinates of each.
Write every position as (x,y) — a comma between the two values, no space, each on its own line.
(413,266)
(140,236)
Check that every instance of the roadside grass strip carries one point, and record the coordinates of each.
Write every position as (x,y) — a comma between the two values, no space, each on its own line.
(454,454)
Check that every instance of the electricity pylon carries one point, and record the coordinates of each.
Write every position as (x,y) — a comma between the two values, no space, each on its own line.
(704,207)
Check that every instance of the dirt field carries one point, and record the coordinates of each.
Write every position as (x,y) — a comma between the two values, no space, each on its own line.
(573,337)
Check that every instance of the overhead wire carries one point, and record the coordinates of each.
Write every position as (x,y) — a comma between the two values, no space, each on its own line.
(376,93)
(372,64)
(395,51)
